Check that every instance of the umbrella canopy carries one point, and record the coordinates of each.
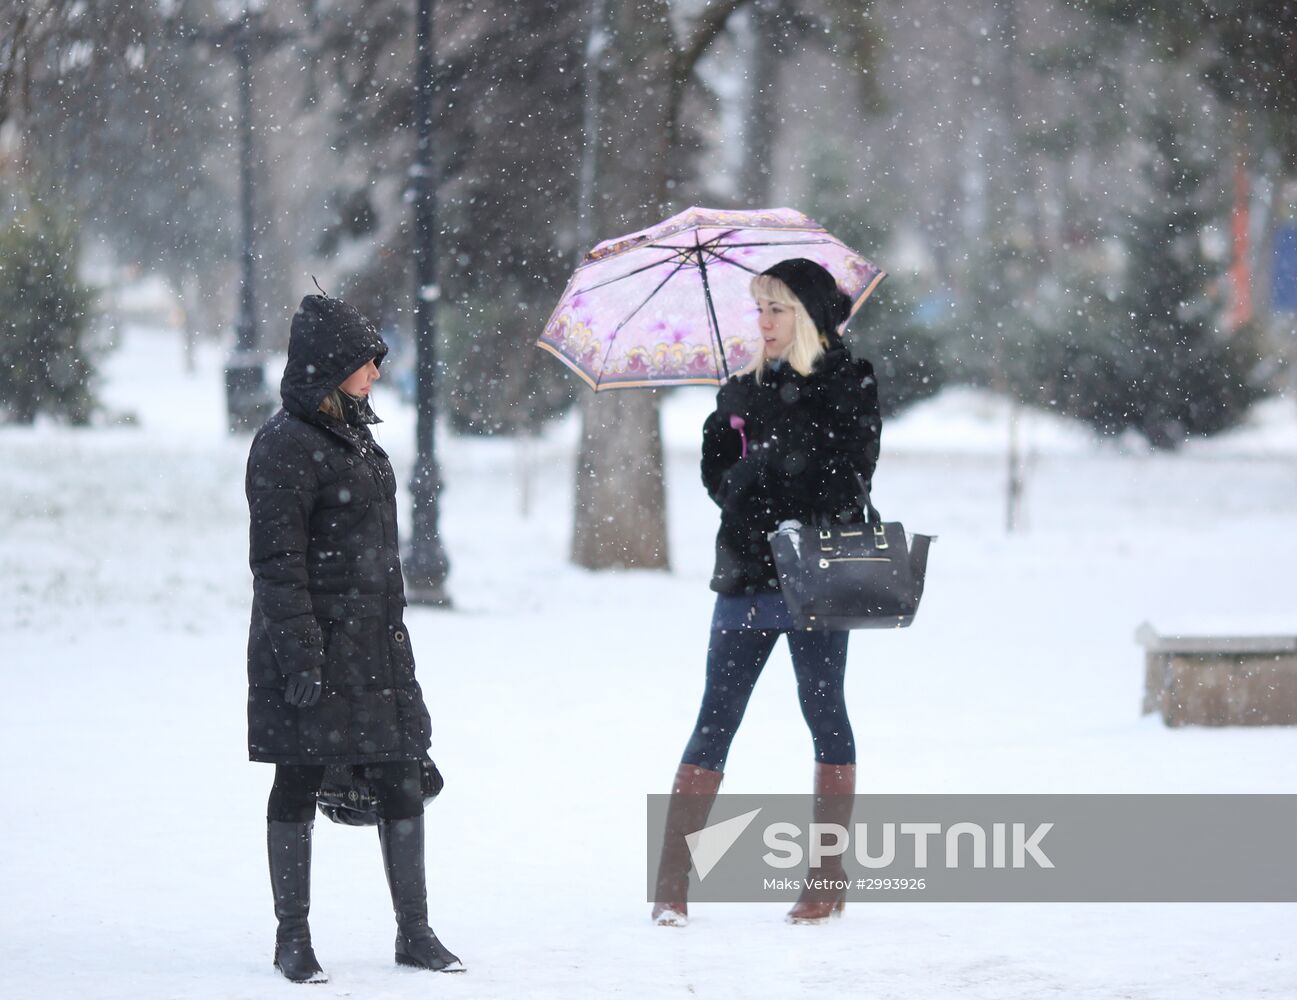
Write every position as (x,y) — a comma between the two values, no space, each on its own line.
(671,305)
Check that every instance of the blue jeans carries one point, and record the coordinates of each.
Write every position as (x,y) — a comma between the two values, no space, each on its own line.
(735,658)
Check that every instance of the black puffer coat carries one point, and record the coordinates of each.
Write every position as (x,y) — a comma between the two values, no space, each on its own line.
(809,437)
(327,589)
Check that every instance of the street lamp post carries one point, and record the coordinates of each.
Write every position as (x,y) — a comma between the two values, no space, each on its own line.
(426,564)
(247,402)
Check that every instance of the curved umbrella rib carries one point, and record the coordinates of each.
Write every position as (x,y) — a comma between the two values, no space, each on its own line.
(780,243)
(612,337)
(705,244)
(630,274)
(730,260)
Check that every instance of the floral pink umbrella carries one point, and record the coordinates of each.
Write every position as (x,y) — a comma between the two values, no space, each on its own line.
(671,305)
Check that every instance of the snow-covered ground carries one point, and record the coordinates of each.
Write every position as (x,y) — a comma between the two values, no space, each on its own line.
(134,859)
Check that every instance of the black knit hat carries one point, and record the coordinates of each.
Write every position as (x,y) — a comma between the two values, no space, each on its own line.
(828,305)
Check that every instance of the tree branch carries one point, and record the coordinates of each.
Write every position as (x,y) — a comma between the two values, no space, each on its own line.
(685,58)
(709,24)
(25,29)
(11,64)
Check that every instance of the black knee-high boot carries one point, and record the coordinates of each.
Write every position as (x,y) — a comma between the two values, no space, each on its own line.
(416,944)
(289,848)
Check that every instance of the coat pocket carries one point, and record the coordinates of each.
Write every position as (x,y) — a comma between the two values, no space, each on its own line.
(322,729)
(402,656)
(416,724)
(356,651)
(375,724)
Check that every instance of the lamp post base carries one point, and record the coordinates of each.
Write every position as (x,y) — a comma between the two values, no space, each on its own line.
(426,568)
(426,565)
(429,595)
(246,404)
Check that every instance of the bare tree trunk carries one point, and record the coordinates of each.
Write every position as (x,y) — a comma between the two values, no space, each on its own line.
(620,500)
(621,495)
(620,518)
(1009,204)
(596,50)
(761,127)
(185,286)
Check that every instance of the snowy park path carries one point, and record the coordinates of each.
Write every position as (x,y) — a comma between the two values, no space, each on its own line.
(134,858)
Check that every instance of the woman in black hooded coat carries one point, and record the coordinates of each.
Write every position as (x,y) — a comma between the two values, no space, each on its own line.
(331,676)
(793,438)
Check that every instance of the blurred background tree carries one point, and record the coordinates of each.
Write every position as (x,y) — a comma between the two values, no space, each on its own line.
(46,354)
(1077,204)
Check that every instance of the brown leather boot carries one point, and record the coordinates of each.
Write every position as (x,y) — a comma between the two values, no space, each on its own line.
(835,788)
(692,795)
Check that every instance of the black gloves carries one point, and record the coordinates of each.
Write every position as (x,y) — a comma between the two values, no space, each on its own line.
(744,481)
(733,398)
(304,688)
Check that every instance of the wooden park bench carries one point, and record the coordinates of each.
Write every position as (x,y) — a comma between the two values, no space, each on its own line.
(1220,680)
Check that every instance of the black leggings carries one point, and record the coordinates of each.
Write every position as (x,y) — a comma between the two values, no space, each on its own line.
(396,783)
(735,658)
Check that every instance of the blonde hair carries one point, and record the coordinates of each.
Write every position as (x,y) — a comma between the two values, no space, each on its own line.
(332,404)
(807,346)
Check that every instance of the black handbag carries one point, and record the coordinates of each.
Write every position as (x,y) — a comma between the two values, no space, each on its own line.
(347,796)
(849,576)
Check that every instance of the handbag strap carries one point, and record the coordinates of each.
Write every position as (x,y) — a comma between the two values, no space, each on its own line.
(866,504)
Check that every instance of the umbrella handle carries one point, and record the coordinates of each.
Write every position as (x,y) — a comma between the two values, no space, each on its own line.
(738,423)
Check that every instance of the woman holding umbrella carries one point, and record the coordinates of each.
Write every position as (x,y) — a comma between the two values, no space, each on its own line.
(330,671)
(795,436)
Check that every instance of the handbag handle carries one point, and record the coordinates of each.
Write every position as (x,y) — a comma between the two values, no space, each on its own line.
(871,512)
